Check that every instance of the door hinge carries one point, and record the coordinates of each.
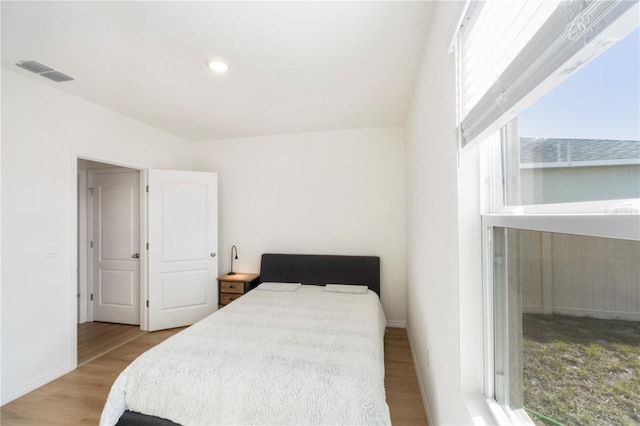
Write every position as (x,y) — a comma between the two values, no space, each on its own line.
(147,188)
(147,246)
(147,303)
(90,244)
(91,297)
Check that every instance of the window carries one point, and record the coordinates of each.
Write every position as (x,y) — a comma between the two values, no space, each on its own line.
(561,233)
(567,327)
(565,288)
(581,142)
(504,68)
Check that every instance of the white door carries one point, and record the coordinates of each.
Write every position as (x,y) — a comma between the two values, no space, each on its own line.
(116,246)
(183,244)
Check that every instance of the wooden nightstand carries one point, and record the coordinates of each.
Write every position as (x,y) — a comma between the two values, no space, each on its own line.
(231,287)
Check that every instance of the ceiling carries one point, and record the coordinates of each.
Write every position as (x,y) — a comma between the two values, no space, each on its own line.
(294,66)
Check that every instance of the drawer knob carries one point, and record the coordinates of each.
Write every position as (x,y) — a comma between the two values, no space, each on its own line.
(232,286)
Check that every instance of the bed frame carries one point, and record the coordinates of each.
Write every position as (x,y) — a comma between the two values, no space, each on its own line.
(309,269)
(319,269)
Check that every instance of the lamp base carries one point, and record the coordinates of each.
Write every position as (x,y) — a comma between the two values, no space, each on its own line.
(231,273)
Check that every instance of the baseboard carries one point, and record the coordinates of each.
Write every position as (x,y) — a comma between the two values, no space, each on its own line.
(396,324)
(35,383)
(423,393)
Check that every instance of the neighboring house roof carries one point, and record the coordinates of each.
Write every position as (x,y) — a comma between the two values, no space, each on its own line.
(556,152)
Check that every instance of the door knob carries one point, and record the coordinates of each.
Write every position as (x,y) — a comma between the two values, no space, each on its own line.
(213,255)
(136,255)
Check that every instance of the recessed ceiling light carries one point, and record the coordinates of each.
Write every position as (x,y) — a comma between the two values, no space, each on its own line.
(217,66)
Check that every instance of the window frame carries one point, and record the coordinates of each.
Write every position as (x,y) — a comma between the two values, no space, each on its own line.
(626,227)
(590,219)
(586,219)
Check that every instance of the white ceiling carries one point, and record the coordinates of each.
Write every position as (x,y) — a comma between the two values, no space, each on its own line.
(295,66)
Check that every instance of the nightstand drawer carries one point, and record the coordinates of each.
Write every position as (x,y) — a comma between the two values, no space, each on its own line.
(226,298)
(231,287)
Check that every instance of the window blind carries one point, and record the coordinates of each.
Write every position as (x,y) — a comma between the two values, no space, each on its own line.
(505,50)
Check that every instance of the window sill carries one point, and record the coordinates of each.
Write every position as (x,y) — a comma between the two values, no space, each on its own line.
(485,411)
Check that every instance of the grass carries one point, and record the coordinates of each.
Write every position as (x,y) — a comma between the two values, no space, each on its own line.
(582,371)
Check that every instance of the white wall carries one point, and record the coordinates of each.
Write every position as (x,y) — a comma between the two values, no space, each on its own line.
(41,130)
(432,238)
(336,192)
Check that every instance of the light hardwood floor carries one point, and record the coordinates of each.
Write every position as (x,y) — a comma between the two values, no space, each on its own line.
(77,398)
(400,382)
(97,338)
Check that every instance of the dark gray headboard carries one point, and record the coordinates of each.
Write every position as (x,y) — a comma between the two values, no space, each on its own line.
(320,269)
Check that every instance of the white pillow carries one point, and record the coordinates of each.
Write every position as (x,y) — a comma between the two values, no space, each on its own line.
(279,286)
(346,288)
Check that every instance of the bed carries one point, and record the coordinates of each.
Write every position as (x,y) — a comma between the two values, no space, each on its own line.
(293,351)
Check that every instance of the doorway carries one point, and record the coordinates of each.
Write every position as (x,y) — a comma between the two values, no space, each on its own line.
(108,297)
(176,246)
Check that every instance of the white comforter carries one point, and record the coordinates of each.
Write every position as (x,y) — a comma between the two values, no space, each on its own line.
(271,357)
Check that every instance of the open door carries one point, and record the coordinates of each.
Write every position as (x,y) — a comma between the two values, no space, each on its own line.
(183,247)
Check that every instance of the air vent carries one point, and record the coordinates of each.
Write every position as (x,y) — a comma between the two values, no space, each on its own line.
(56,76)
(44,71)
(34,66)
